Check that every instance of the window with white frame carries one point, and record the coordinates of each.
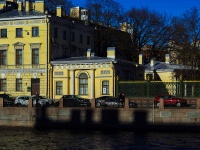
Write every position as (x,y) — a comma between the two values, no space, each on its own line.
(35,31)
(83,84)
(18,57)
(19,32)
(35,56)
(3,33)
(3,57)
(3,85)
(59,88)
(18,84)
(105,87)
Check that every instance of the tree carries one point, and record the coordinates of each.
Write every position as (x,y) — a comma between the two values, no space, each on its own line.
(149,28)
(51,5)
(187,39)
(105,11)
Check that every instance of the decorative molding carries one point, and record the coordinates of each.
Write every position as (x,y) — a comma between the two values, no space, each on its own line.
(22,22)
(4,46)
(35,45)
(79,73)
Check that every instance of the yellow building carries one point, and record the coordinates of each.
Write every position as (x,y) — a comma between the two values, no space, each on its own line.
(91,76)
(30,38)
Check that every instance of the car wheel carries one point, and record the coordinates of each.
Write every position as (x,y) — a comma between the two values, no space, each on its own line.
(98,104)
(178,104)
(19,105)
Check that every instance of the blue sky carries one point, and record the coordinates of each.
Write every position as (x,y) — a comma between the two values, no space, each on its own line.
(171,7)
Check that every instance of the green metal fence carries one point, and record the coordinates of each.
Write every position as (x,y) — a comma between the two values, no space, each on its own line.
(153,88)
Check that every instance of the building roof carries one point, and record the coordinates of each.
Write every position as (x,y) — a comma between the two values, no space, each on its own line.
(91,59)
(82,59)
(164,67)
(16,13)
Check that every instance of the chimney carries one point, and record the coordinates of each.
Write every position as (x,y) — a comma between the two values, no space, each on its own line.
(88,53)
(39,5)
(27,6)
(141,60)
(92,54)
(59,11)
(20,6)
(111,52)
(167,58)
(152,62)
(2,5)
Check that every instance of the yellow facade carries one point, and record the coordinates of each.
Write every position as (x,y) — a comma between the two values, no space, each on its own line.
(37,77)
(69,76)
(99,75)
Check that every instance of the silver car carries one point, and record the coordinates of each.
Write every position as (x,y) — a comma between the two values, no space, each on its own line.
(24,101)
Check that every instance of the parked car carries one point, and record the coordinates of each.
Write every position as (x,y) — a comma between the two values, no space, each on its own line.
(170,100)
(8,100)
(75,101)
(133,104)
(45,100)
(108,101)
(24,101)
(100,101)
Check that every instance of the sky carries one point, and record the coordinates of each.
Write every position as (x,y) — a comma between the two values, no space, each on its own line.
(170,7)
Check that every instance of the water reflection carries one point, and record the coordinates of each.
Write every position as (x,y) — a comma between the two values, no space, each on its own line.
(17,138)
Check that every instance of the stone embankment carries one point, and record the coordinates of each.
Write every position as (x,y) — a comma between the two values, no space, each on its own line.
(102,118)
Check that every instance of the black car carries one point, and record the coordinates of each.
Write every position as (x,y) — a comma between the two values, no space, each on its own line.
(133,104)
(75,101)
(8,100)
(100,101)
(108,101)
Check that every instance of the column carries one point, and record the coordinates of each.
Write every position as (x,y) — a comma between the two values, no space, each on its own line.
(92,84)
(72,82)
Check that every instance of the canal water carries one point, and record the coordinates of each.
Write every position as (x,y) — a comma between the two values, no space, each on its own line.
(32,139)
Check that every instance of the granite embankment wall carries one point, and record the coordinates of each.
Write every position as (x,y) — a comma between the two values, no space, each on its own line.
(59,117)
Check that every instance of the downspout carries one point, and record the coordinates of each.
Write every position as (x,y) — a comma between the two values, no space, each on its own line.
(47,57)
(114,85)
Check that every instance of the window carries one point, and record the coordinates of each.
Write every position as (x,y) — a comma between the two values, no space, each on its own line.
(81,38)
(18,84)
(18,32)
(35,31)
(3,85)
(105,87)
(55,33)
(88,40)
(64,35)
(3,57)
(18,56)
(83,84)
(35,56)
(59,88)
(73,36)
(3,33)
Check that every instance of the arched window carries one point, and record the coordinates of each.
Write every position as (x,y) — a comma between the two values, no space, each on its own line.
(83,84)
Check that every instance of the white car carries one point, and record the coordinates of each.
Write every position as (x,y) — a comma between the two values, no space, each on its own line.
(45,100)
(24,101)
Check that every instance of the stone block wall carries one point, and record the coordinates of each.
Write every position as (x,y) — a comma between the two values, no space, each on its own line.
(88,117)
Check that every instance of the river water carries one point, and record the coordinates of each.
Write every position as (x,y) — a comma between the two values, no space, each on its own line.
(32,139)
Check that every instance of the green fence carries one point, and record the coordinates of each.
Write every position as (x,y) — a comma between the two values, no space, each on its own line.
(153,88)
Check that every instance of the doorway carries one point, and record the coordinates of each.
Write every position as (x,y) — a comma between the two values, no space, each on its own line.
(35,86)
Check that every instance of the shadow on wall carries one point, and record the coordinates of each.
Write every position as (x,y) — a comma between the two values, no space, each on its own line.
(110,121)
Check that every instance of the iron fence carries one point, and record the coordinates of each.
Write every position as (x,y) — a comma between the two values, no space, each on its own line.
(150,89)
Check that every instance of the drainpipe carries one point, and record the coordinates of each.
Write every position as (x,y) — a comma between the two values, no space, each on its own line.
(47,55)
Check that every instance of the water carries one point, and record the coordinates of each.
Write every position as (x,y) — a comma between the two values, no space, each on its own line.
(32,139)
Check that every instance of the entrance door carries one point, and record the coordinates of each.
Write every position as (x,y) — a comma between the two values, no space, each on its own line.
(35,86)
